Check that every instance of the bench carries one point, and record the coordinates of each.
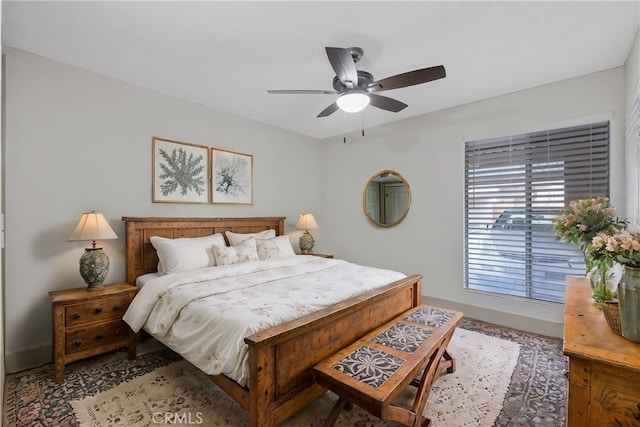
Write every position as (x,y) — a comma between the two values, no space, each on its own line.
(372,371)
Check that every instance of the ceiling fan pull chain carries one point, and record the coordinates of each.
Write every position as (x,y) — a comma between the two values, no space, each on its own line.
(344,127)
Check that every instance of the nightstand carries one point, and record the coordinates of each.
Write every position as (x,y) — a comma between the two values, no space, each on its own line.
(87,323)
(322,255)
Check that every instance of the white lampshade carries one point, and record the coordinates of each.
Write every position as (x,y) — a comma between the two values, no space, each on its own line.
(91,227)
(352,102)
(306,222)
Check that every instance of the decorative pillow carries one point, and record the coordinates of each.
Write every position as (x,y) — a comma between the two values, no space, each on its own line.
(185,254)
(276,247)
(236,238)
(245,251)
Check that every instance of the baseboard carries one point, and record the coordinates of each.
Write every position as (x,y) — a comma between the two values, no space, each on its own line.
(27,359)
(523,323)
(33,358)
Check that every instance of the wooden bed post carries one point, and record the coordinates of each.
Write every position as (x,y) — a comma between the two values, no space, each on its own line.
(262,388)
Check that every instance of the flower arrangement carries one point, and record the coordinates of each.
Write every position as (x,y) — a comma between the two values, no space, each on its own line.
(605,249)
(584,221)
(581,220)
(622,247)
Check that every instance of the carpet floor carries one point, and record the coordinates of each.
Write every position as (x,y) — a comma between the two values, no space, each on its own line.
(536,395)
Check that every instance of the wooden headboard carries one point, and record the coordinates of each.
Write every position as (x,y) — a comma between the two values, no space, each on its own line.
(141,256)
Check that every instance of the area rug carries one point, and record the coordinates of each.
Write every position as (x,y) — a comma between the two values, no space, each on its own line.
(180,394)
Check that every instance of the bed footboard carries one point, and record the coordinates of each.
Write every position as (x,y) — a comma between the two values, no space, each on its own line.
(281,358)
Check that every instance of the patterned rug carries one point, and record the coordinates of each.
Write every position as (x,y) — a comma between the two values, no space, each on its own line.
(471,396)
(536,395)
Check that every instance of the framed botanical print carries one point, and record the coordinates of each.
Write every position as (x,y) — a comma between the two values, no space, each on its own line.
(231,177)
(180,172)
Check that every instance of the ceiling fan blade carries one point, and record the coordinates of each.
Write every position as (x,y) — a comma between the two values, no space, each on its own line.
(410,78)
(342,63)
(329,110)
(297,92)
(386,103)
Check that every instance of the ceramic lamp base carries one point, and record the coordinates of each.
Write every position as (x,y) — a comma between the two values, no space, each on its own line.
(306,242)
(94,266)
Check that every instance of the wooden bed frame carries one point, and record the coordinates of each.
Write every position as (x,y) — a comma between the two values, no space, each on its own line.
(281,358)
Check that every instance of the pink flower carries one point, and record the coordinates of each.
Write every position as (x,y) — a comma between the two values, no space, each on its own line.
(598,241)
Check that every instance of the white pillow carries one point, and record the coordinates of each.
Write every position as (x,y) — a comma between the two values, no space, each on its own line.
(185,254)
(236,238)
(245,251)
(276,247)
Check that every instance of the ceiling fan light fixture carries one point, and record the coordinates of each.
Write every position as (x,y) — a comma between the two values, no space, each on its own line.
(353,102)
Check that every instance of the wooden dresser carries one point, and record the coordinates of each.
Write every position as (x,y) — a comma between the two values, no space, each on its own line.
(604,368)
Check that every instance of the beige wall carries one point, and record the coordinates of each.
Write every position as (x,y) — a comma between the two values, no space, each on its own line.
(76,141)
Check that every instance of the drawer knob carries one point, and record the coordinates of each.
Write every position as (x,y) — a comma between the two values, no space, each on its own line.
(78,342)
(99,309)
(76,315)
(116,308)
(118,333)
(99,336)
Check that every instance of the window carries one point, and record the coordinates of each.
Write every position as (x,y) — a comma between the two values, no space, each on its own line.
(514,187)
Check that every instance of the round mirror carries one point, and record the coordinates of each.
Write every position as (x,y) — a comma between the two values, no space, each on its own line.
(386,198)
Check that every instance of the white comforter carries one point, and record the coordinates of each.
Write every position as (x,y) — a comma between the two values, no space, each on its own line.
(205,314)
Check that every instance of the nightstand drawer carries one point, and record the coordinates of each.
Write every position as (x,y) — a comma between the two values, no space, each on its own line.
(103,334)
(96,311)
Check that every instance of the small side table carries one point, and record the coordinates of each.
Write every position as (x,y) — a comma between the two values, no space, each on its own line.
(87,323)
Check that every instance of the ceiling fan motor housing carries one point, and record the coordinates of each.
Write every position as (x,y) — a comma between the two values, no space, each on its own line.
(364,80)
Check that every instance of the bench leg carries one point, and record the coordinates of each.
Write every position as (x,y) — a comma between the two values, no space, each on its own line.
(335,412)
(449,363)
(413,417)
(431,372)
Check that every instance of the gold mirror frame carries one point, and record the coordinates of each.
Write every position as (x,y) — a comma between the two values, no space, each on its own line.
(370,206)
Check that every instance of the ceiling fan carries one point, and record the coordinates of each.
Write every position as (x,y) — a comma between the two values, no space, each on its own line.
(357,88)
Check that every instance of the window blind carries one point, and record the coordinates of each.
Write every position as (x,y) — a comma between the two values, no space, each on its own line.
(514,187)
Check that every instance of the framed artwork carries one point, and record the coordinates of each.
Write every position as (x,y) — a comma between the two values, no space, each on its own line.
(231,177)
(180,172)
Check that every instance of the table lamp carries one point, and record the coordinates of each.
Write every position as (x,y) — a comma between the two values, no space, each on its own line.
(306,222)
(94,263)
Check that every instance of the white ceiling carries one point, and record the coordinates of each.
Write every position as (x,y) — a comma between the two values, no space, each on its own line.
(227,54)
